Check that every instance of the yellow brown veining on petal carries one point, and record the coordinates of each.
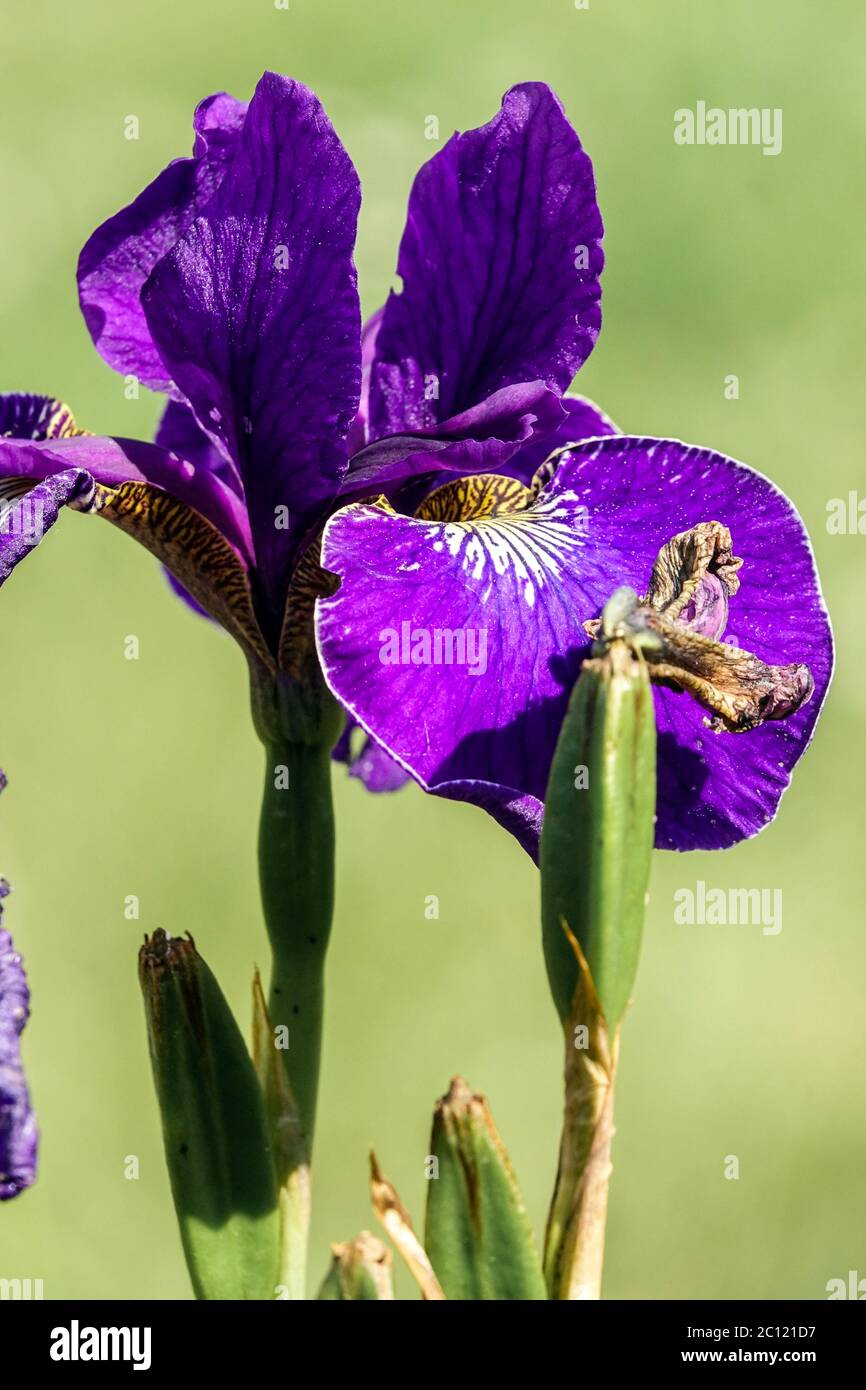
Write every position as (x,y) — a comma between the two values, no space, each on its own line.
(297,638)
(195,552)
(61,423)
(296,651)
(534,542)
(37,418)
(471,499)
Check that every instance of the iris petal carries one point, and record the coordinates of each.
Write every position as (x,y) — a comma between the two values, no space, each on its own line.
(26,512)
(114,461)
(499,261)
(119,256)
(583,420)
(180,433)
(184,516)
(19,1137)
(369,763)
(195,552)
(483,439)
(528,583)
(36,418)
(256,312)
(18,1133)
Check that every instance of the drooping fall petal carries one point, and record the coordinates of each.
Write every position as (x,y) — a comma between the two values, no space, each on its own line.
(186,516)
(477,717)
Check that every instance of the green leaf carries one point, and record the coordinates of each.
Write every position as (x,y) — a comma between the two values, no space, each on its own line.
(477,1235)
(217,1146)
(360,1269)
(597,841)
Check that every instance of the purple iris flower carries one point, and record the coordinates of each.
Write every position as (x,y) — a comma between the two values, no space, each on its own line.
(18,1134)
(416,515)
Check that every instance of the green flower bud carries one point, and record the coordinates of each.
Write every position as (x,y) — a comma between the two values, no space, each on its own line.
(214,1127)
(599,826)
(478,1235)
(360,1269)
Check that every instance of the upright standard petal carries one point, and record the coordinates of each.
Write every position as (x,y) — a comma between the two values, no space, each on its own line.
(455,642)
(583,420)
(499,261)
(118,258)
(256,313)
(358,435)
(486,437)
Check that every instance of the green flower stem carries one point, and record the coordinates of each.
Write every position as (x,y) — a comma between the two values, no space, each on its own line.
(574,1241)
(596,850)
(289,1147)
(296,868)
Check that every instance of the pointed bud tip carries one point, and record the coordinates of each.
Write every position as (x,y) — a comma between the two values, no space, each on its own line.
(162,952)
(360,1270)
(461,1101)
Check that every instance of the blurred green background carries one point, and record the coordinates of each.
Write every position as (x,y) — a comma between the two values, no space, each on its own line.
(143,777)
